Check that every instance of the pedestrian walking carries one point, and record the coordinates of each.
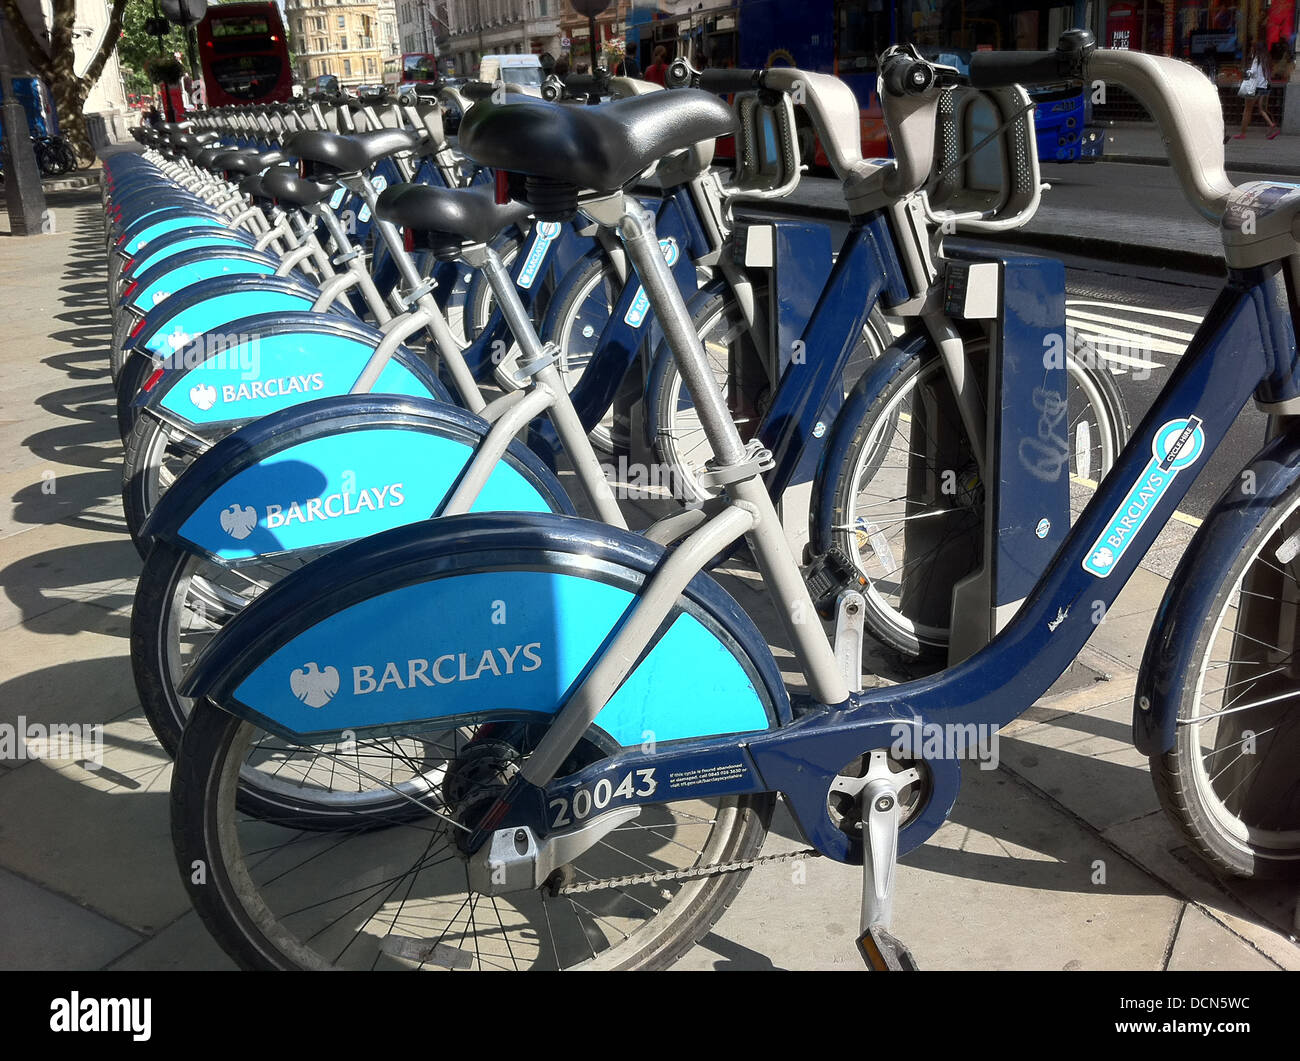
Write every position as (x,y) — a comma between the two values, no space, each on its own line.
(631,68)
(658,70)
(1254,89)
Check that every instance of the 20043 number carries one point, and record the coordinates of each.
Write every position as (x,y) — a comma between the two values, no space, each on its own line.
(636,784)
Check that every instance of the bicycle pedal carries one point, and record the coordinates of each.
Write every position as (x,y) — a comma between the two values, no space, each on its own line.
(884,952)
(827,575)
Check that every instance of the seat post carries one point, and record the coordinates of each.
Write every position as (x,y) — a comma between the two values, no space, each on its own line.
(635,226)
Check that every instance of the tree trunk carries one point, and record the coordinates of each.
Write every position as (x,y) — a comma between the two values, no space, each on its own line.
(70,100)
(57,66)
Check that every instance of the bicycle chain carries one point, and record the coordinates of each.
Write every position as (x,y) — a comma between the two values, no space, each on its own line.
(692,873)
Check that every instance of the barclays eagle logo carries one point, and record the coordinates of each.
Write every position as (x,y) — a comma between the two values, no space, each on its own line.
(238,521)
(204,396)
(313,686)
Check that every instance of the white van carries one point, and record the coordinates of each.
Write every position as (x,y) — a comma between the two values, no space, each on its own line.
(525,71)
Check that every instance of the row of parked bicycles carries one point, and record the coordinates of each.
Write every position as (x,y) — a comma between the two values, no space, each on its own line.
(434,703)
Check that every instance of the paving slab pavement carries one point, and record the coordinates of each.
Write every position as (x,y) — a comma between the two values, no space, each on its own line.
(1057,859)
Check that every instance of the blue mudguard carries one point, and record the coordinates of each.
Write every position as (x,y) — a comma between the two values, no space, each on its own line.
(493,616)
(912,344)
(168,277)
(140,234)
(1169,662)
(332,470)
(216,240)
(216,305)
(279,360)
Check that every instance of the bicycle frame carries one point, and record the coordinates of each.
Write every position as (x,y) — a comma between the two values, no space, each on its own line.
(1246,345)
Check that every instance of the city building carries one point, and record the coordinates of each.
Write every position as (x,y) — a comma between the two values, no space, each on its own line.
(341,37)
(422,26)
(390,45)
(500,27)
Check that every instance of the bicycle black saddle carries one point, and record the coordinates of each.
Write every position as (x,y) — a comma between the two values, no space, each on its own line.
(350,152)
(602,148)
(284,183)
(252,186)
(471,214)
(208,156)
(243,161)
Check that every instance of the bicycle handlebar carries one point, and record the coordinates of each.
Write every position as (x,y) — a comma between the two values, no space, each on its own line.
(722,81)
(475,90)
(1183,102)
(904,75)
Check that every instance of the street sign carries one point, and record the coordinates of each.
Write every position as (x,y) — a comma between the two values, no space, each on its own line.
(590,8)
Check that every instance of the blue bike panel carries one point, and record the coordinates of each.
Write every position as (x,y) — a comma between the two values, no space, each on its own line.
(333,489)
(171,331)
(138,241)
(519,642)
(214,238)
(166,282)
(270,372)
(468,584)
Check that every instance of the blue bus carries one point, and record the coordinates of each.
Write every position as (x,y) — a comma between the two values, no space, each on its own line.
(845,37)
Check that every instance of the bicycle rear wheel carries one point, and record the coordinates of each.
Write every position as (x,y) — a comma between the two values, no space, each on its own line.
(397,898)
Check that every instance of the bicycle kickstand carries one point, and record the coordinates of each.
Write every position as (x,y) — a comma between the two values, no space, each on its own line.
(882,951)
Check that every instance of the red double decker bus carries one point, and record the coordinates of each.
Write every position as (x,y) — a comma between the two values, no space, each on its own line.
(244,54)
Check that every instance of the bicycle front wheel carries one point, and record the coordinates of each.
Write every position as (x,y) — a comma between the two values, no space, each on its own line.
(276,897)
(1229,782)
(909,503)
(581,316)
(680,442)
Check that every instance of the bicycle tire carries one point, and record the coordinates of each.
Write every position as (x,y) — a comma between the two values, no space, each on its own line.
(240,912)
(920,635)
(146,475)
(47,160)
(71,163)
(679,442)
(577,322)
(1237,830)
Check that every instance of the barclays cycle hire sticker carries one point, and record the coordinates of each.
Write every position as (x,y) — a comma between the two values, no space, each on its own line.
(339,487)
(336,200)
(636,312)
(547,232)
(1178,444)
(379,182)
(357,668)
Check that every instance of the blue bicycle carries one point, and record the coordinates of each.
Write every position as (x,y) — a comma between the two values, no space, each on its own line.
(591,733)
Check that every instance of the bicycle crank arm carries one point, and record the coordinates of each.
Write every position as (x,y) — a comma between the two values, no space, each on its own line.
(882,951)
